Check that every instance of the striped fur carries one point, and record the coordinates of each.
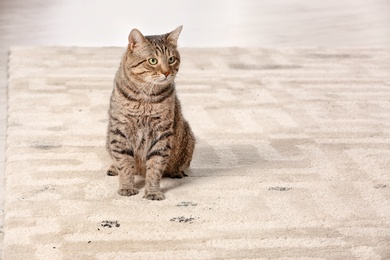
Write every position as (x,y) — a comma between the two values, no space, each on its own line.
(147,134)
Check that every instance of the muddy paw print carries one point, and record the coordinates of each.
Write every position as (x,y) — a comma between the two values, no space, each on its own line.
(110,224)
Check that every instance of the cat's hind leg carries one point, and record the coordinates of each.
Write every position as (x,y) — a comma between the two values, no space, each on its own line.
(178,175)
(112,171)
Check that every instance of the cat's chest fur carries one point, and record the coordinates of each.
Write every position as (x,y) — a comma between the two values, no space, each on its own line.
(145,123)
(145,120)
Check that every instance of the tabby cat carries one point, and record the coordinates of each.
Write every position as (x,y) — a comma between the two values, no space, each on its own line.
(147,134)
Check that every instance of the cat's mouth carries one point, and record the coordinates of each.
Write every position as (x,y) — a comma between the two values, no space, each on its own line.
(162,79)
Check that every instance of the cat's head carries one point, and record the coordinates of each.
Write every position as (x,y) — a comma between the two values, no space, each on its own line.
(153,59)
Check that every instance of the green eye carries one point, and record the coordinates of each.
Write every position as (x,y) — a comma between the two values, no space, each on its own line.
(171,60)
(153,61)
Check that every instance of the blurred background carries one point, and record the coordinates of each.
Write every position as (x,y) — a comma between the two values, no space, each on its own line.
(211,23)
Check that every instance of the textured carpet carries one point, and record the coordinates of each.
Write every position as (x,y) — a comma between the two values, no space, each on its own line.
(292,158)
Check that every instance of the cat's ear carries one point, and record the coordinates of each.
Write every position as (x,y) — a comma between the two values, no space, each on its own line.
(174,35)
(135,39)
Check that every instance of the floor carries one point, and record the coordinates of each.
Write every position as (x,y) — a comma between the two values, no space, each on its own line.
(217,23)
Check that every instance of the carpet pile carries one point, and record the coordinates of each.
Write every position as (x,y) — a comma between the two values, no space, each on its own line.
(292,158)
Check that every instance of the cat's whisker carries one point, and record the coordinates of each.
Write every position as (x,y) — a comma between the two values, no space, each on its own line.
(151,89)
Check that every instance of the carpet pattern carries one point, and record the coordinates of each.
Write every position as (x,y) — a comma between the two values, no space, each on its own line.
(292,158)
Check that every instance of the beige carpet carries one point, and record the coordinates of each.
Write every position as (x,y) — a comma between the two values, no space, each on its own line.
(292,158)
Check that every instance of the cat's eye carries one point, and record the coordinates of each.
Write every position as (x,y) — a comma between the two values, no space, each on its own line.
(171,60)
(152,61)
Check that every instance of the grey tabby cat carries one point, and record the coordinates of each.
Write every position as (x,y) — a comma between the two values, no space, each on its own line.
(147,134)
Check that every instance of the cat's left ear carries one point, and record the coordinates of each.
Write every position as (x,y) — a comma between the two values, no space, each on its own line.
(174,35)
(135,39)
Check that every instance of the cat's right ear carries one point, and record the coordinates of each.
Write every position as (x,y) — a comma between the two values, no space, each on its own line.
(135,39)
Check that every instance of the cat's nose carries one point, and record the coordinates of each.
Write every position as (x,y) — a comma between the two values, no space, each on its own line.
(166,73)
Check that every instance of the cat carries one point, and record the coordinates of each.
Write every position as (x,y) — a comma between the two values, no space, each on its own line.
(147,133)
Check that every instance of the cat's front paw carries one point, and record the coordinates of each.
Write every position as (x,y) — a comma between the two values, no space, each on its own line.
(127,192)
(155,195)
